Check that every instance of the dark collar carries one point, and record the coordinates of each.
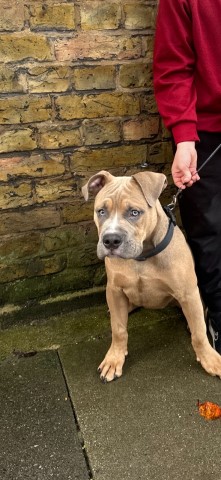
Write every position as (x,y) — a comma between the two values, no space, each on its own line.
(166,240)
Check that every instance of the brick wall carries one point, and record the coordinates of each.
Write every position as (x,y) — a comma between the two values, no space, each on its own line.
(76,96)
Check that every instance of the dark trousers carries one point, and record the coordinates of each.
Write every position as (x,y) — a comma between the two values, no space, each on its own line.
(200,208)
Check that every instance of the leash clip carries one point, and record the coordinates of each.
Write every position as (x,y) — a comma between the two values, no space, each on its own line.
(172,205)
(169,212)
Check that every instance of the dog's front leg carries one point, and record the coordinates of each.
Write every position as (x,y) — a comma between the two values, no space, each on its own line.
(193,311)
(112,365)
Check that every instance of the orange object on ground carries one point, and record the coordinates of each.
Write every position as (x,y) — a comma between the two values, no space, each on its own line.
(209,410)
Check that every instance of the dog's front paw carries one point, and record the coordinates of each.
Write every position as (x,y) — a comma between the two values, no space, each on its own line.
(112,365)
(211,362)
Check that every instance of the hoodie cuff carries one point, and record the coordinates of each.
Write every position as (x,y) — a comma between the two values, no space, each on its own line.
(185,132)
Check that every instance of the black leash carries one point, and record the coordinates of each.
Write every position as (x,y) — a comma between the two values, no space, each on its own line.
(168,209)
(174,202)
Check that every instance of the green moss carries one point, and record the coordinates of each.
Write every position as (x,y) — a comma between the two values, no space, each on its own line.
(74,327)
(27,290)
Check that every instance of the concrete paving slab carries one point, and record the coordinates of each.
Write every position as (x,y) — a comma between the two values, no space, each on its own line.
(145,426)
(38,434)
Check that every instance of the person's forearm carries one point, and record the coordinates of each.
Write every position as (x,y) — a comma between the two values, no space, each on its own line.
(174,62)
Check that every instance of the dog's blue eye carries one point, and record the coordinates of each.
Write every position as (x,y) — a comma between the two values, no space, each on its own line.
(101,212)
(134,213)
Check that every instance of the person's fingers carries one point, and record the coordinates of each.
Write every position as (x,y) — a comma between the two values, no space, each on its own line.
(195,177)
(178,181)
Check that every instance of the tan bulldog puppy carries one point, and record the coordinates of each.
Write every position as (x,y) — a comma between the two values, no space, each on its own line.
(131,221)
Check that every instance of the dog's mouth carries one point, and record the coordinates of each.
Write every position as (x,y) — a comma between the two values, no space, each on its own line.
(113,253)
(124,253)
(109,253)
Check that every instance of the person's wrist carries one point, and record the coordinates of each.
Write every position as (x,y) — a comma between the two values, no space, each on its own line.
(184,145)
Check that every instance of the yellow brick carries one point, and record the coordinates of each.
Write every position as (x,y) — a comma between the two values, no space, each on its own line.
(11,15)
(100,131)
(60,16)
(25,109)
(94,78)
(14,196)
(9,81)
(161,152)
(96,46)
(17,140)
(39,109)
(22,46)
(48,79)
(77,211)
(59,137)
(23,220)
(91,161)
(27,269)
(18,246)
(139,16)
(136,75)
(54,189)
(149,104)
(148,42)
(34,165)
(141,128)
(100,16)
(101,105)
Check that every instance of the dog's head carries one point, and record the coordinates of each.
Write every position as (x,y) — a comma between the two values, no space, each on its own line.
(124,211)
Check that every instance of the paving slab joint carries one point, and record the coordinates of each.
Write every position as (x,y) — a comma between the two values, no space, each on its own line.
(80,434)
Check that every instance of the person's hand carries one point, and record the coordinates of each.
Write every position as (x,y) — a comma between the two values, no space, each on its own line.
(185,165)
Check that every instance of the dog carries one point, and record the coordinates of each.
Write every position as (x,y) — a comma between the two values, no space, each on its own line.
(132,225)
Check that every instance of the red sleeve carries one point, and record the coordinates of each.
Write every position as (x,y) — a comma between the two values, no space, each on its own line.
(174,62)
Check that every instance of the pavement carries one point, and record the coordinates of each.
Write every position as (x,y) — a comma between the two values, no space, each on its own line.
(59,421)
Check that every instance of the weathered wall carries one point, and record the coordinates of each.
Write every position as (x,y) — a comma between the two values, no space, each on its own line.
(76,96)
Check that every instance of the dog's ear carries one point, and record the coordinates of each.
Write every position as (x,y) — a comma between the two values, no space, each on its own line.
(151,184)
(96,183)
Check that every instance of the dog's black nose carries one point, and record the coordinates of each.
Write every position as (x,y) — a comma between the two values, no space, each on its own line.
(112,240)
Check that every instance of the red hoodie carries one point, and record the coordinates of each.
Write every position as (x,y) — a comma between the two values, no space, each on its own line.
(187,66)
